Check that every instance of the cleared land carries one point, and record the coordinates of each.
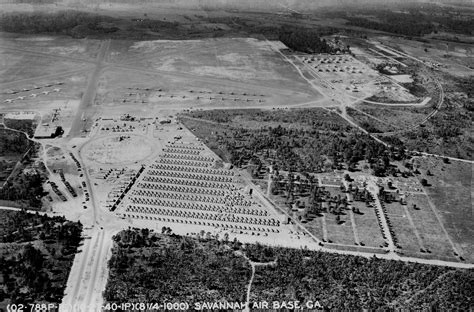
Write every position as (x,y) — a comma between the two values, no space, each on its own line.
(240,59)
(24,66)
(450,191)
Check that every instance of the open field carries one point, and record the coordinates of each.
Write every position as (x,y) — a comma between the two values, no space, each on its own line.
(450,191)
(367,228)
(52,46)
(24,66)
(429,228)
(432,241)
(240,59)
(340,232)
(119,149)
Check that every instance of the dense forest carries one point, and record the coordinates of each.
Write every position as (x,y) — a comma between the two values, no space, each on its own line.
(151,267)
(413,22)
(25,176)
(27,126)
(36,256)
(74,23)
(304,40)
(24,188)
(13,143)
(322,141)
(79,24)
(354,283)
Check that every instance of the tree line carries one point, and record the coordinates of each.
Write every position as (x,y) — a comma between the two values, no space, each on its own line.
(304,40)
(414,23)
(70,22)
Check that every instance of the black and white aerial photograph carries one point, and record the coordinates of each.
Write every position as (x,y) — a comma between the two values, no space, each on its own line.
(236,155)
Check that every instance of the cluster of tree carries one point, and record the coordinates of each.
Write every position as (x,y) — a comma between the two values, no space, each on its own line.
(38,273)
(304,40)
(151,267)
(21,227)
(312,200)
(27,126)
(13,143)
(316,118)
(413,23)
(259,253)
(417,87)
(316,145)
(24,186)
(342,282)
(63,22)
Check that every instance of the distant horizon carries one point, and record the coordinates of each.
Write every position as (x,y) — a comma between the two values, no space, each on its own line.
(244,4)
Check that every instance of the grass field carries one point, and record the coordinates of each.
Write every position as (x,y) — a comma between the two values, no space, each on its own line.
(23,65)
(315,226)
(367,226)
(53,45)
(432,237)
(451,193)
(405,234)
(429,228)
(340,233)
